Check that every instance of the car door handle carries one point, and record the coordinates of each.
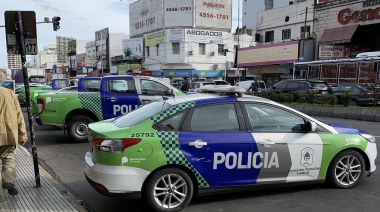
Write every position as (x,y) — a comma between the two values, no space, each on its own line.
(146,100)
(198,143)
(112,99)
(267,143)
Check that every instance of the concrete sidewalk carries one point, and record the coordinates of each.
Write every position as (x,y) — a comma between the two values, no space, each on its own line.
(45,198)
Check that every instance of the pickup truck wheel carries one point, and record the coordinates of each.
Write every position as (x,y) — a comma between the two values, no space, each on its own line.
(78,128)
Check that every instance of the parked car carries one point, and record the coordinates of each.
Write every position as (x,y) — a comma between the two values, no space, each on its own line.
(169,151)
(301,86)
(195,86)
(361,96)
(221,82)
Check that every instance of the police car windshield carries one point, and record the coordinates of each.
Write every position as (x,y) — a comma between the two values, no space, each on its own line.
(141,114)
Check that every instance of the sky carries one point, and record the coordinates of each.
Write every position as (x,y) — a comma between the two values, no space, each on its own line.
(79,18)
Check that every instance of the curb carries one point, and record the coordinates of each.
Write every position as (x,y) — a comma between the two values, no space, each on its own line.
(339,112)
(45,174)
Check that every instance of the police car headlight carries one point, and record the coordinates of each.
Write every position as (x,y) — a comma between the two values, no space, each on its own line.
(369,137)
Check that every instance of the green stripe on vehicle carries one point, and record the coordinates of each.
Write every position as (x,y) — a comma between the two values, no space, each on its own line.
(335,143)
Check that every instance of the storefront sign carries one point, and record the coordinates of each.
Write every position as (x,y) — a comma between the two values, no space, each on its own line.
(371,3)
(279,53)
(155,38)
(175,35)
(205,36)
(346,16)
(331,52)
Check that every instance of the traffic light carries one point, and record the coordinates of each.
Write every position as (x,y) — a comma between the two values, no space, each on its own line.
(128,53)
(55,20)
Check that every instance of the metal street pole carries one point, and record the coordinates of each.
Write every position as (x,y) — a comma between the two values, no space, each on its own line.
(20,36)
(304,36)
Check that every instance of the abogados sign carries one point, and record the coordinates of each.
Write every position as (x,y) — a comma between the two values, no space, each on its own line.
(346,16)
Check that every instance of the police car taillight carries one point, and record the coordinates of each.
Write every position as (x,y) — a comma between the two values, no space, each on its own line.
(40,105)
(114,145)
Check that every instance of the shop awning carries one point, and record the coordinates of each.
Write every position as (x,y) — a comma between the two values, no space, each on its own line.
(338,35)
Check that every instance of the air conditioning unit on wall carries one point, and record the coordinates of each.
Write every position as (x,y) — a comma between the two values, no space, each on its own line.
(191,52)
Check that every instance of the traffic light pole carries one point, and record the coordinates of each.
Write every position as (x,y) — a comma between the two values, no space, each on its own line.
(41,22)
(20,36)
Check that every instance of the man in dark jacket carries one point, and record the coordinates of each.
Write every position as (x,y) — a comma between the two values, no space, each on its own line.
(254,87)
(186,85)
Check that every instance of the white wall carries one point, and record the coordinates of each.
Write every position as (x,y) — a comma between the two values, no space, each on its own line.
(195,61)
(274,20)
(250,8)
(116,41)
(81,46)
(90,48)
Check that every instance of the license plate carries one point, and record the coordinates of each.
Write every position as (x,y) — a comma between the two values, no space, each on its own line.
(324,92)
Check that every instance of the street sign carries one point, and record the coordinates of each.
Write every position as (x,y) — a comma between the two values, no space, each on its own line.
(31,46)
(30,29)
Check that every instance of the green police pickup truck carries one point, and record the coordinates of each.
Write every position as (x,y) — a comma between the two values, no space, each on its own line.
(118,96)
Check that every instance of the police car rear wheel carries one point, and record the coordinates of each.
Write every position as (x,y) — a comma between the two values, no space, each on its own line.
(78,128)
(169,189)
(347,169)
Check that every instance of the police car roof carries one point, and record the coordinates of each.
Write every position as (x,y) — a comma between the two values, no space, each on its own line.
(217,97)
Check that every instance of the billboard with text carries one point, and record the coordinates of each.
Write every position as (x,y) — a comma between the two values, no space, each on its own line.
(213,14)
(178,13)
(145,16)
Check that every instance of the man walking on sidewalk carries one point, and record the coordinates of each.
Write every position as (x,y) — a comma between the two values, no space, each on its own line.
(12,132)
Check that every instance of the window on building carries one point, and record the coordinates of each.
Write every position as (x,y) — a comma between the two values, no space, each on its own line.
(104,47)
(269,36)
(175,48)
(303,31)
(157,49)
(220,49)
(286,34)
(202,49)
(147,51)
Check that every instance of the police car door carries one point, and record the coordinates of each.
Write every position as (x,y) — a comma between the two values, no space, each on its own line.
(286,153)
(151,90)
(213,141)
(119,96)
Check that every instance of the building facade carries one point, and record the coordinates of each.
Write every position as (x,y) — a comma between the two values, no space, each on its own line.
(284,35)
(75,47)
(14,61)
(251,8)
(47,58)
(345,28)
(62,44)
(100,51)
(183,38)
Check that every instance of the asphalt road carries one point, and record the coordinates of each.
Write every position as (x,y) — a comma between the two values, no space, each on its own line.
(65,161)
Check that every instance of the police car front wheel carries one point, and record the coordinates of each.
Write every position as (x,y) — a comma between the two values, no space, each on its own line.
(169,189)
(347,169)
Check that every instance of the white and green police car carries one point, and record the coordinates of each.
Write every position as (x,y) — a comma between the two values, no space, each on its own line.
(168,151)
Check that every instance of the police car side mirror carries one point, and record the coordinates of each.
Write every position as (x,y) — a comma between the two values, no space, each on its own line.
(170,92)
(310,126)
